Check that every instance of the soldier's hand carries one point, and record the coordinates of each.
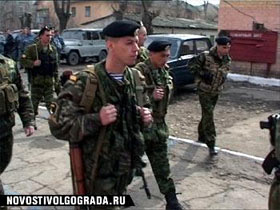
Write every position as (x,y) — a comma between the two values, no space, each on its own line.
(158,93)
(29,130)
(37,63)
(146,115)
(108,114)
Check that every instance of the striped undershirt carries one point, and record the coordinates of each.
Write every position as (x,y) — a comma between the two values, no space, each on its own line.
(118,77)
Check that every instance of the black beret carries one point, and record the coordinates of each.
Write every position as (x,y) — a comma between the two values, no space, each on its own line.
(121,28)
(157,46)
(223,40)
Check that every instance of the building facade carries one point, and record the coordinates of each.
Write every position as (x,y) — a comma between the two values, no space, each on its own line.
(252,15)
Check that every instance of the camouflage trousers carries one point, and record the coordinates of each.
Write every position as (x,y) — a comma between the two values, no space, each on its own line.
(274,195)
(206,127)
(109,186)
(42,87)
(156,150)
(6,149)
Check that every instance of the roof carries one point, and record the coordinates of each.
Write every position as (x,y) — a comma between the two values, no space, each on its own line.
(83,29)
(168,22)
(178,36)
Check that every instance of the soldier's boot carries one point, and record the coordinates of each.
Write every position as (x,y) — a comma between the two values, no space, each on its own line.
(212,151)
(172,202)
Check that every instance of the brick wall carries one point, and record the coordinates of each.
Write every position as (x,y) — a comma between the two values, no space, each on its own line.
(240,15)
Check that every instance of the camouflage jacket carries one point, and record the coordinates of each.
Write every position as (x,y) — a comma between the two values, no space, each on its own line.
(156,78)
(142,55)
(210,70)
(123,144)
(49,65)
(14,98)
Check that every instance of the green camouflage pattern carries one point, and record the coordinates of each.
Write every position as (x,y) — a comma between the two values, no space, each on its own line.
(9,75)
(156,78)
(156,136)
(210,74)
(41,85)
(123,145)
(24,109)
(210,63)
(143,55)
(206,127)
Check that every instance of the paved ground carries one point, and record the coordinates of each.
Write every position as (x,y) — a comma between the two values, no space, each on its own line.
(40,165)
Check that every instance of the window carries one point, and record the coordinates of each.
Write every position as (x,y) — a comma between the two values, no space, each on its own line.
(201,46)
(187,48)
(94,35)
(258,26)
(73,11)
(87,11)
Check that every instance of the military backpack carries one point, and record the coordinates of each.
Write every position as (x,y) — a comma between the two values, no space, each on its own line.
(8,91)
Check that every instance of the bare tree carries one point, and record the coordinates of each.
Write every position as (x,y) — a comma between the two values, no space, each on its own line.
(62,10)
(148,15)
(119,13)
(205,8)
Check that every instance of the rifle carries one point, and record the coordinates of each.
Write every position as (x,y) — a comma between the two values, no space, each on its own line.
(77,169)
(271,161)
(145,185)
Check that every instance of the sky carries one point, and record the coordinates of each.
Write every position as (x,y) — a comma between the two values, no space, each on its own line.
(200,2)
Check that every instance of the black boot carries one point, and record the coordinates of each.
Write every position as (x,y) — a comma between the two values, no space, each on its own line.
(172,202)
(212,151)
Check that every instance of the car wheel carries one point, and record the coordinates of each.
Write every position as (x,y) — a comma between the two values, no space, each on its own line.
(73,58)
(102,55)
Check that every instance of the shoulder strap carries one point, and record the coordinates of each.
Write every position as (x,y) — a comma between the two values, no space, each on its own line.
(87,101)
(90,89)
(139,86)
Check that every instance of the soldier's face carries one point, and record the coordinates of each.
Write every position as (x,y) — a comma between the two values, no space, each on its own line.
(124,49)
(45,38)
(223,49)
(159,59)
(142,35)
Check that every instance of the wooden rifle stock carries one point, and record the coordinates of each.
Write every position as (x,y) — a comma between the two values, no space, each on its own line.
(77,169)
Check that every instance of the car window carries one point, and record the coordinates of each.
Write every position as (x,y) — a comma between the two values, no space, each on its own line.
(175,44)
(201,46)
(2,38)
(72,35)
(94,35)
(187,48)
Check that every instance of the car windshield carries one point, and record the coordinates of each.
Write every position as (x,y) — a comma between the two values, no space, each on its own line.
(175,44)
(72,35)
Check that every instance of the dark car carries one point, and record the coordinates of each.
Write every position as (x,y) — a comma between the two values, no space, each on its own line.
(183,48)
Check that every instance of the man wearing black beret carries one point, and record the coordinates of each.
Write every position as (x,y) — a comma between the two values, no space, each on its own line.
(99,111)
(159,88)
(210,70)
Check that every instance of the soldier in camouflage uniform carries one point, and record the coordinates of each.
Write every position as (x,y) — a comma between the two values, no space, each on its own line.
(159,88)
(210,70)
(143,53)
(13,98)
(123,143)
(41,60)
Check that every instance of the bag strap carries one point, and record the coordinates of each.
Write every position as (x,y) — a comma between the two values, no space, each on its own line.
(87,101)
(90,89)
